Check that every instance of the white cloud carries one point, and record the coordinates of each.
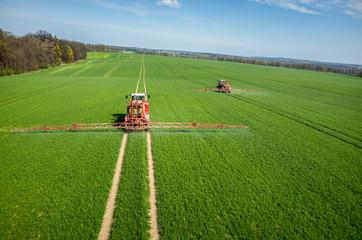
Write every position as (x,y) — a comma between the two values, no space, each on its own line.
(349,7)
(354,8)
(296,5)
(170,3)
(293,6)
(110,26)
(349,12)
(140,11)
(307,1)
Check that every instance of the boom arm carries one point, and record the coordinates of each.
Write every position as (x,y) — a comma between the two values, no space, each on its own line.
(129,126)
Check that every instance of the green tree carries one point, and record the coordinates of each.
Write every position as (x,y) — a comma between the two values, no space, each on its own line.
(4,55)
(67,53)
(58,53)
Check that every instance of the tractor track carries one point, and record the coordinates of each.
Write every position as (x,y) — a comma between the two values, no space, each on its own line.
(232,78)
(269,87)
(110,72)
(108,216)
(183,76)
(10,101)
(17,99)
(154,231)
(144,79)
(11,85)
(111,203)
(153,201)
(142,72)
(274,80)
(59,70)
(151,176)
(80,71)
(309,123)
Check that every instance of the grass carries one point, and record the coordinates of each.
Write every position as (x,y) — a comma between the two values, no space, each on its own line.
(295,173)
(55,185)
(131,219)
(50,96)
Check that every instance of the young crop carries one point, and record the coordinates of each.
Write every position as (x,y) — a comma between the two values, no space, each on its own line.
(293,174)
(131,219)
(288,176)
(54,185)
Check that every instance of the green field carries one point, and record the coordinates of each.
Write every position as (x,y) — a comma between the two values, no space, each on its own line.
(295,173)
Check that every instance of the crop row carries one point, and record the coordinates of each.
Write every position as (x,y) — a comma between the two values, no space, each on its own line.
(329,99)
(281,178)
(277,179)
(55,185)
(131,219)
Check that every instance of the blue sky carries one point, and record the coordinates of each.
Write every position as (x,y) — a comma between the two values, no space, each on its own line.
(322,30)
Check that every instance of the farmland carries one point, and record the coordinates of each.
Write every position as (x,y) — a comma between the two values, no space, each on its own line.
(295,173)
(131,216)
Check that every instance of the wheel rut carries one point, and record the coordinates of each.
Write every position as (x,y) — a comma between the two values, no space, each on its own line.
(111,203)
(304,121)
(105,231)
(153,200)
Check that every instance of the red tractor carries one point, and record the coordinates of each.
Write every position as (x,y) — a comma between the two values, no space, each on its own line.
(223,86)
(138,114)
(137,118)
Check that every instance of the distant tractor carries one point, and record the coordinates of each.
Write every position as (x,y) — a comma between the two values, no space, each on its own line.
(223,86)
(137,111)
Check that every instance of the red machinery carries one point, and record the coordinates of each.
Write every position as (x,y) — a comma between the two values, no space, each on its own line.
(128,126)
(137,118)
(138,114)
(223,86)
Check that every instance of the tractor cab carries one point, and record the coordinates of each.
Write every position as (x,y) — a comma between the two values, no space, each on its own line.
(137,110)
(138,97)
(223,86)
(221,82)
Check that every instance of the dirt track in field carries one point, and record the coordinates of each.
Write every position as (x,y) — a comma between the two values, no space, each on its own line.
(80,71)
(107,218)
(151,174)
(59,70)
(153,201)
(111,71)
(141,70)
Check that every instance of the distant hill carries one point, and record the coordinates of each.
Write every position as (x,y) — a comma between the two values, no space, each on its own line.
(268,59)
(294,60)
(341,68)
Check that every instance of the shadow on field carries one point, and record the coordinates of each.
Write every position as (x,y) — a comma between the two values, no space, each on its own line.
(118,117)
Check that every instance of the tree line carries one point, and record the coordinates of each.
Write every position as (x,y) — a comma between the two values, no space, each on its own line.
(102,48)
(36,51)
(346,69)
(352,70)
(42,50)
